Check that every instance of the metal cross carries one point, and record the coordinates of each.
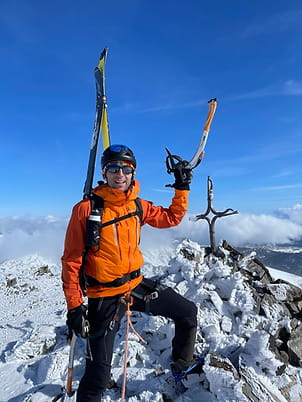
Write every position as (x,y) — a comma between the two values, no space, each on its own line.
(211,221)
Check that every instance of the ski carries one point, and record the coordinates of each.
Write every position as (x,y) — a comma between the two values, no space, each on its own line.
(171,160)
(100,122)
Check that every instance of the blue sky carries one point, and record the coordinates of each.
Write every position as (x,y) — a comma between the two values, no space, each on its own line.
(166,60)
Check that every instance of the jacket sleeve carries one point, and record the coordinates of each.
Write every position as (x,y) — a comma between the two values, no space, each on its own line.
(73,250)
(161,217)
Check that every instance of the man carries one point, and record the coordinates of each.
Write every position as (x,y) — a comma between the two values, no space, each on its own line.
(112,269)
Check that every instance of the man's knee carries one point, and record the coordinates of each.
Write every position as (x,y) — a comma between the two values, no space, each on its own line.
(189,319)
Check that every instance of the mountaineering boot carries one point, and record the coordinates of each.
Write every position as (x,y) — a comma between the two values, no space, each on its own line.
(180,368)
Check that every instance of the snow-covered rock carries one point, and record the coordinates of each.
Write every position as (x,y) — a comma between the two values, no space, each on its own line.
(249,331)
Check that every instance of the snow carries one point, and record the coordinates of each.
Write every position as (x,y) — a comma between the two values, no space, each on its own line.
(293,250)
(34,351)
(286,276)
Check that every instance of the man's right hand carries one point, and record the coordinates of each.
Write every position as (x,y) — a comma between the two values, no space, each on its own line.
(77,321)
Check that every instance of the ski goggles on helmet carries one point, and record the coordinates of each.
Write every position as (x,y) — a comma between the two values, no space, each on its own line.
(114,167)
(118,148)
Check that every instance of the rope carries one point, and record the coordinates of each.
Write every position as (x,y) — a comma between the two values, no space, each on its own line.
(128,300)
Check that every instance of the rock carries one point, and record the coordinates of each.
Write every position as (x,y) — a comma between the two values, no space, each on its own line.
(43,270)
(257,389)
(271,308)
(290,387)
(10,282)
(221,362)
(256,271)
(294,345)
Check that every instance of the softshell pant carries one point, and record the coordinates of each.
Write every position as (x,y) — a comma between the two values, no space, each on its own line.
(104,315)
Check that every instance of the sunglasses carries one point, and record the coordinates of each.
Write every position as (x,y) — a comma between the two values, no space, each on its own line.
(116,169)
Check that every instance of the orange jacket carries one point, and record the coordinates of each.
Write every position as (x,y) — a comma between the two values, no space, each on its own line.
(118,253)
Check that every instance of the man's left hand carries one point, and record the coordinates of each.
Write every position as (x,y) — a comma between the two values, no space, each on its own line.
(183,176)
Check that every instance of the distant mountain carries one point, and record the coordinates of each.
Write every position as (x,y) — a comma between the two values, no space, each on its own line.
(285,258)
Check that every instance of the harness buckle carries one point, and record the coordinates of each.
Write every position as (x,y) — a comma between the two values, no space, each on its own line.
(154,295)
(151,296)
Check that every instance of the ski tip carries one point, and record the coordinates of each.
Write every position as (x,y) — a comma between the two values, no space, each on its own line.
(102,60)
(104,52)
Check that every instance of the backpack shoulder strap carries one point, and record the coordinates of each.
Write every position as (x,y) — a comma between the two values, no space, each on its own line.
(96,203)
(139,209)
(92,236)
(94,221)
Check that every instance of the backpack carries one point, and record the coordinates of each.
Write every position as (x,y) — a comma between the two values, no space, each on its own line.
(92,235)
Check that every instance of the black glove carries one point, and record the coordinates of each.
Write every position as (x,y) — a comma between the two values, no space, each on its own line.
(183,176)
(77,321)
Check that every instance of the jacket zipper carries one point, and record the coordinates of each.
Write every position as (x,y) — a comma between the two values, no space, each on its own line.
(117,239)
(138,234)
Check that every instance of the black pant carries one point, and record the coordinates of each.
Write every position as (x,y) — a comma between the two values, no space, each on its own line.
(104,315)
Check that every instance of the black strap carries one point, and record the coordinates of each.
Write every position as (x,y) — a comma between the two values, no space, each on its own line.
(121,218)
(139,209)
(138,212)
(82,276)
(90,281)
(147,290)
(97,202)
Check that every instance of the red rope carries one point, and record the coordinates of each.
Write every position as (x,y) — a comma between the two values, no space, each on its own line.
(128,300)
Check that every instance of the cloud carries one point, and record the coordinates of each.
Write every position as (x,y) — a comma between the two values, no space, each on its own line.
(242,229)
(173,106)
(138,108)
(292,87)
(21,236)
(239,230)
(163,190)
(285,173)
(44,236)
(259,229)
(287,88)
(294,214)
(242,164)
(273,188)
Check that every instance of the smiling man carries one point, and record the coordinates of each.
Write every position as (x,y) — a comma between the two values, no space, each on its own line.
(119,174)
(113,268)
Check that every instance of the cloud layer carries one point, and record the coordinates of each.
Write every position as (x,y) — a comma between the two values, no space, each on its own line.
(45,235)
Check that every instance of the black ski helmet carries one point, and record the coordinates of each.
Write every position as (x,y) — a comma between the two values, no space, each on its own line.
(118,152)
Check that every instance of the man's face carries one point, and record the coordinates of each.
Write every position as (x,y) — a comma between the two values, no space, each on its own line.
(118,178)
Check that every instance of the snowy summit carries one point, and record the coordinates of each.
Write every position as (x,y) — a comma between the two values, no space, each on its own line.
(249,332)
